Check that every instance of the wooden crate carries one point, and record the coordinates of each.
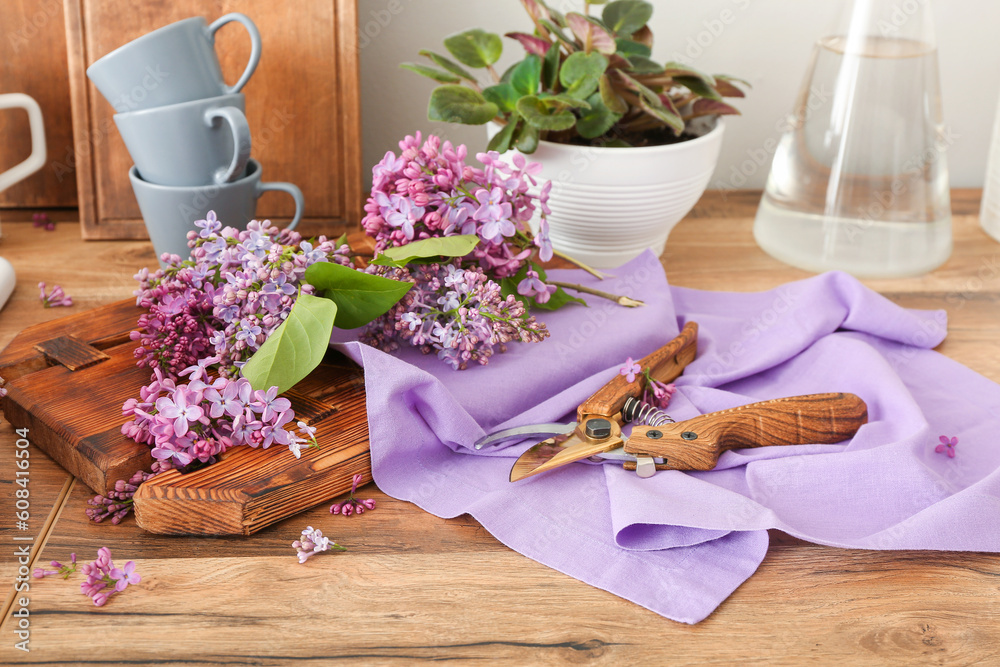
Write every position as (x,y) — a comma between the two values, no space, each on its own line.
(303,105)
(68,378)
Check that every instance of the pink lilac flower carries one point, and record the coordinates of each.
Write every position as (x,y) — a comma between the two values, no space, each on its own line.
(42,220)
(353,505)
(118,503)
(533,286)
(197,421)
(63,570)
(311,542)
(947,446)
(457,313)
(430,191)
(630,370)
(657,393)
(103,579)
(57,297)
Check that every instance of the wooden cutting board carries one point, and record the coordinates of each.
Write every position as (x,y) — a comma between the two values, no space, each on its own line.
(67,380)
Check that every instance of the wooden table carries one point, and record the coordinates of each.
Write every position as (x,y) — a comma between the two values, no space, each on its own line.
(414,587)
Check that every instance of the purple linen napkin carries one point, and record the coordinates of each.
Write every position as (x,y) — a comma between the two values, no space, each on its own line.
(680,543)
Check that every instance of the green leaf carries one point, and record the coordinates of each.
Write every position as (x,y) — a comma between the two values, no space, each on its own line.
(458,104)
(598,120)
(526,138)
(544,117)
(431,73)
(581,73)
(558,299)
(617,143)
(449,65)
(591,34)
(475,48)
(625,17)
(342,240)
(698,87)
(724,86)
(664,114)
(556,32)
(527,75)
(503,95)
(612,100)
(550,68)
(439,246)
(360,297)
(644,65)
(296,347)
(676,69)
(628,48)
(564,100)
(501,140)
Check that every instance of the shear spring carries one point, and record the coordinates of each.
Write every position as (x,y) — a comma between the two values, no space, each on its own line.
(644,414)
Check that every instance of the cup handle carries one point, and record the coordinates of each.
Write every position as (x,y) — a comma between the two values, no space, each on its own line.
(37,128)
(291,189)
(241,141)
(254,46)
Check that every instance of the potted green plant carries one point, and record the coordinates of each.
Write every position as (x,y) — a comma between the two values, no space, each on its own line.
(628,144)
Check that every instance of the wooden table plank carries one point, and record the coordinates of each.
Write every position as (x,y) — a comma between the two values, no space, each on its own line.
(415,587)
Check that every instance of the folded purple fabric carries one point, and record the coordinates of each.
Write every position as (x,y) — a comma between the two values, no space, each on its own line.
(680,543)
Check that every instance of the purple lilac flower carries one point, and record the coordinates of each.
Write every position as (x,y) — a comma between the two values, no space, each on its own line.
(458,313)
(311,542)
(42,220)
(630,370)
(236,288)
(947,446)
(57,297)
(200,420)
(103,579)
(352,505)
(430,191)
(533,286)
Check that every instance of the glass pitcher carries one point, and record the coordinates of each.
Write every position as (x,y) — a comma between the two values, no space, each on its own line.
(859,181)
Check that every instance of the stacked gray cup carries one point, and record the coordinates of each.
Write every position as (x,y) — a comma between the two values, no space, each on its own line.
(185,130)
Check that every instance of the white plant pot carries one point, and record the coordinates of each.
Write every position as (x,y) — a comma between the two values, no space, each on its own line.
(610,204)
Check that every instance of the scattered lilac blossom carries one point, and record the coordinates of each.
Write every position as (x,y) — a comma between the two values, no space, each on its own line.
(533,286)
(458,313)
(630,370)
(62,570)
(352,505)
(42,221)
(57,297)
(430,191)
(947,446)
(313,542)
(118,503)
(104,579)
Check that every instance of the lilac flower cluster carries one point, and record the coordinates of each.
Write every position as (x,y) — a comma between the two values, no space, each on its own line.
(313,542)
(352,505)
(43,221)
(459,313)
(200,419)
(430,191)
(57,297)
(104,579)
(235,289)
(118,503)
(62,570)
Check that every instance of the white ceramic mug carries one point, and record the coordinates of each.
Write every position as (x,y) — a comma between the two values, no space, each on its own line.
(38,150)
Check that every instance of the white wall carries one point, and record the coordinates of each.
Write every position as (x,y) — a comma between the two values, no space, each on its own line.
(767,42)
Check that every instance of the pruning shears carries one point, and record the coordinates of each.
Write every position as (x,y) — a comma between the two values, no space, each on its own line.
(657,442)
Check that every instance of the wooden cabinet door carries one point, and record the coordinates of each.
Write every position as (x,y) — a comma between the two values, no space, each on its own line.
(302,105)
(33,61)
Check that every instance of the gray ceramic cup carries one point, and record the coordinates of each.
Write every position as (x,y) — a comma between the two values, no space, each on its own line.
(191,143)
(175,63)
(170,211)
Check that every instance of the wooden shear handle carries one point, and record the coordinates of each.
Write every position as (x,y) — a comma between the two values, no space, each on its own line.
(696,444)
(665,365)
